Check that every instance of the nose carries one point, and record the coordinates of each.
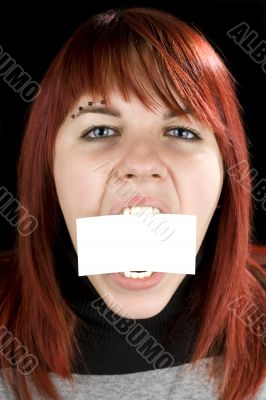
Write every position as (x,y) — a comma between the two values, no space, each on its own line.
(142,163)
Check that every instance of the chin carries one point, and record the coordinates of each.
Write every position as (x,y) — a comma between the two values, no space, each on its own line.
(136,309)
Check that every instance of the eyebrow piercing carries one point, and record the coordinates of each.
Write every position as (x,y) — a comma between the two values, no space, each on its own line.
(90,103)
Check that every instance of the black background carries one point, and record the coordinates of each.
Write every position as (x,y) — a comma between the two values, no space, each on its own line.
(34,36)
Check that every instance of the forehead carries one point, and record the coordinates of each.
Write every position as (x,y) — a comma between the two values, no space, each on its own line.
(121,105)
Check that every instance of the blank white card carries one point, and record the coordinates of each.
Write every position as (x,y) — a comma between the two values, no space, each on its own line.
(117,243)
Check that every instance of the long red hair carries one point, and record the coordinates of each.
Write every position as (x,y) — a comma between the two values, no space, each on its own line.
(171,55)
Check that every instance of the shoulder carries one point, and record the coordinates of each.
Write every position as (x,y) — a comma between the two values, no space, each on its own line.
(5,390)
(258,252)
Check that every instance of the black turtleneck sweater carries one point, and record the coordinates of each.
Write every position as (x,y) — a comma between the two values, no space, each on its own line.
(105,350)
(111,365)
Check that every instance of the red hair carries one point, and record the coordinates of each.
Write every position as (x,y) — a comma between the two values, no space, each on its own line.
(172,56)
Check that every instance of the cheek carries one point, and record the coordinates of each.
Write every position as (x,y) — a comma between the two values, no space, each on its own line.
(199,184)
(79,189)
(206,184)
(203,178)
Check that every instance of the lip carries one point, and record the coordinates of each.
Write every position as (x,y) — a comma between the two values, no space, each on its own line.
(138,283)
(141,201)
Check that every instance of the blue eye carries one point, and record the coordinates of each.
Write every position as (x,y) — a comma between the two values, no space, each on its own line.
(182,132)
(98,131)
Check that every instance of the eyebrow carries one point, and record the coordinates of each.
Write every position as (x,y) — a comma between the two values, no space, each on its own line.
(173,114)
(113,112)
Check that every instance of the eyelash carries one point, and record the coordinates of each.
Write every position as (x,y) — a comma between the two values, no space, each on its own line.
(99,127)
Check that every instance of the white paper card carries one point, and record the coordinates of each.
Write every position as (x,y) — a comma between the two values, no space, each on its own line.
(117,243)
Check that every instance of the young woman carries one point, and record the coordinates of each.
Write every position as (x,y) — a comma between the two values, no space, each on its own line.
(146,93)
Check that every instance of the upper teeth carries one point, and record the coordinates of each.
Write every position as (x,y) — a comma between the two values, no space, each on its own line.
(138,210)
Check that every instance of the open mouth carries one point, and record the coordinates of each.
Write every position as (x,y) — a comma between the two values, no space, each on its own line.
(137,283)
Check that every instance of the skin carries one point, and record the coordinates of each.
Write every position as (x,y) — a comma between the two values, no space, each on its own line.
(187,174)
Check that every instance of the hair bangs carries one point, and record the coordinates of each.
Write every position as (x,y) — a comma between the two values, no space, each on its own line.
(110,64)
(126,60)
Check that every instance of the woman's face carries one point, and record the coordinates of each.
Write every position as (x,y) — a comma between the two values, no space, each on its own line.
(152,153)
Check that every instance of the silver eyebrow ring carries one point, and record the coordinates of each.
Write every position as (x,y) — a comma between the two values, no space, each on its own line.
(81,108)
